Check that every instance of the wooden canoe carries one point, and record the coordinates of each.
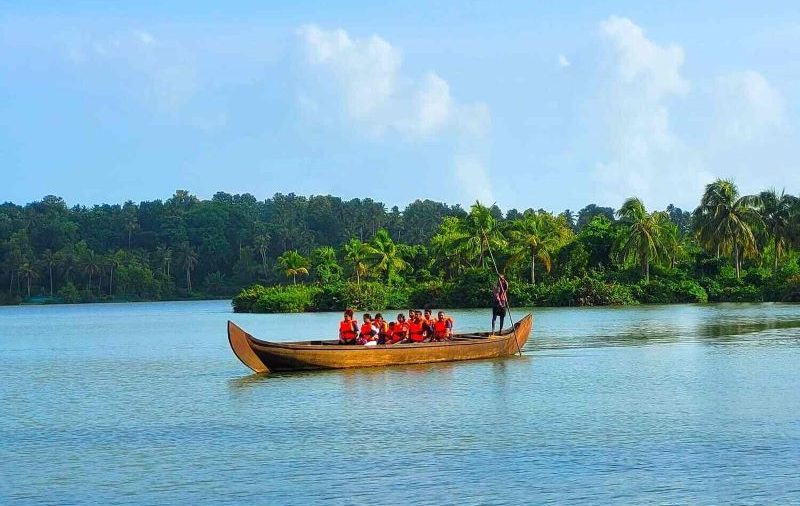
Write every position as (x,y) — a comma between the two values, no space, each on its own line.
(264,356)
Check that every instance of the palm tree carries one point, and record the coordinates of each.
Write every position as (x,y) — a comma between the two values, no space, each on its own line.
(262,243)
(293,264)
(538,235)
(90,264)
(188,257)
(776,214)
(326,265)
(446,255)
(49,259)
(29,272)
(478,234)
(645,238)
(357,253)
(724,221)
(114,261)
(383,252)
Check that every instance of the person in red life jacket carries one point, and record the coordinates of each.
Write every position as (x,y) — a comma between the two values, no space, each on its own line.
(368,331)
(428,319)
(400,331)
(500,301)
(443,327)
(416,328)
(383,328)
(390,334)
(348,328)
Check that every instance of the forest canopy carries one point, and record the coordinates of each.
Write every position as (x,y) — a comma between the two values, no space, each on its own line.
(331,252)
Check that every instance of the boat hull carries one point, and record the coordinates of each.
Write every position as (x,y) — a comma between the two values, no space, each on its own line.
(264,356)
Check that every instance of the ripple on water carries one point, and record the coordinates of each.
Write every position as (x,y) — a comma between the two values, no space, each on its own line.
(144,403)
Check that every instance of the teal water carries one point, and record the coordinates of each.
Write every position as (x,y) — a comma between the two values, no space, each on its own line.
(145,404)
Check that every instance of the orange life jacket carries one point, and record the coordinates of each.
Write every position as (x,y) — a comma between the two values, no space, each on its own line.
(416,330)
(366,330)
(440,328)
(347,330)
(399,332)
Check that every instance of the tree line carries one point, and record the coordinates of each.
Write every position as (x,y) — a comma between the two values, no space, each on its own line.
(731,247)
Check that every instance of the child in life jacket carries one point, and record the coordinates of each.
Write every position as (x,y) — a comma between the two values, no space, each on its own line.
(368,332)
(442,327)
(348,328)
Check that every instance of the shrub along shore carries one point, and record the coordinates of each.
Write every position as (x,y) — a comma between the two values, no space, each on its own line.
(294,253)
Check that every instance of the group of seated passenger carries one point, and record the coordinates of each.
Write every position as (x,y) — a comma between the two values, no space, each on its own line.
(420,327)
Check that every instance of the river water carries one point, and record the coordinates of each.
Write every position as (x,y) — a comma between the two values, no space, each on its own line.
(145,404)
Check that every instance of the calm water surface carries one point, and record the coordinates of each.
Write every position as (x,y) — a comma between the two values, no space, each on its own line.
(145,403)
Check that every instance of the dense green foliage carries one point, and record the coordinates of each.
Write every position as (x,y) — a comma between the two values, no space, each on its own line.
(321,253)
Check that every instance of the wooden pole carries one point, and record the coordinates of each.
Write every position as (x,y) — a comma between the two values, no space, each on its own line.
(508,308)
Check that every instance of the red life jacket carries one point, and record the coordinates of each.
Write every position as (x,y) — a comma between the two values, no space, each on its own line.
(399,332)
(440,328)
(348,330)
(416,330)
(366,330)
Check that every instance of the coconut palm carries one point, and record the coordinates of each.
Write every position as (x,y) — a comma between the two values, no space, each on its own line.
(293,264)
(49,260)
(357,253)
(538,236)
(478,234)
(646,235)
(776,214)
(188,258)
(90,264)
(725,220)
(114,261)
(28,271)
(262,244)
(384,255)
(449,259)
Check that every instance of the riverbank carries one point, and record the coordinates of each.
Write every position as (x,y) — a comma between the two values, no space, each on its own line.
(474,289)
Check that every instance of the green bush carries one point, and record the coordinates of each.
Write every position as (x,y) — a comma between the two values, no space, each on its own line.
(69,293)
(275,299)
(666,291)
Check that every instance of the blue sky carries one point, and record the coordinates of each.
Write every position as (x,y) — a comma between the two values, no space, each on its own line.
(547,104)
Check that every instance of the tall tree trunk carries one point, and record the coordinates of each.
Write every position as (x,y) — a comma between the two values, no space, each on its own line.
(533,268)
(11,283)
(736,249)
(777,253)
(188,280)
(358,277)
(29,286)
(294,279)
(647,270)
(51,280)
(111,281)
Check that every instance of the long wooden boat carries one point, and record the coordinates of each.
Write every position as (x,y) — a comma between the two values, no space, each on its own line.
(265,356)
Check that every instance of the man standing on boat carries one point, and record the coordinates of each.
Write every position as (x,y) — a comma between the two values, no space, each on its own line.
(500,302)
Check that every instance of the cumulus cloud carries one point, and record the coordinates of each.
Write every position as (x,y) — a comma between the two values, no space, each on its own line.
(379,96)
(748,106)
(646,157)
(383,100)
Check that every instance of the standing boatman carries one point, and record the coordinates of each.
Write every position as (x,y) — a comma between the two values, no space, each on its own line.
(500,301)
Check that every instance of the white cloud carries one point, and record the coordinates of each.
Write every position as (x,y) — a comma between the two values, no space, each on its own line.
(383,100)
(563,61)
(748,106)
(379,96)
(647,158)
(145,37)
